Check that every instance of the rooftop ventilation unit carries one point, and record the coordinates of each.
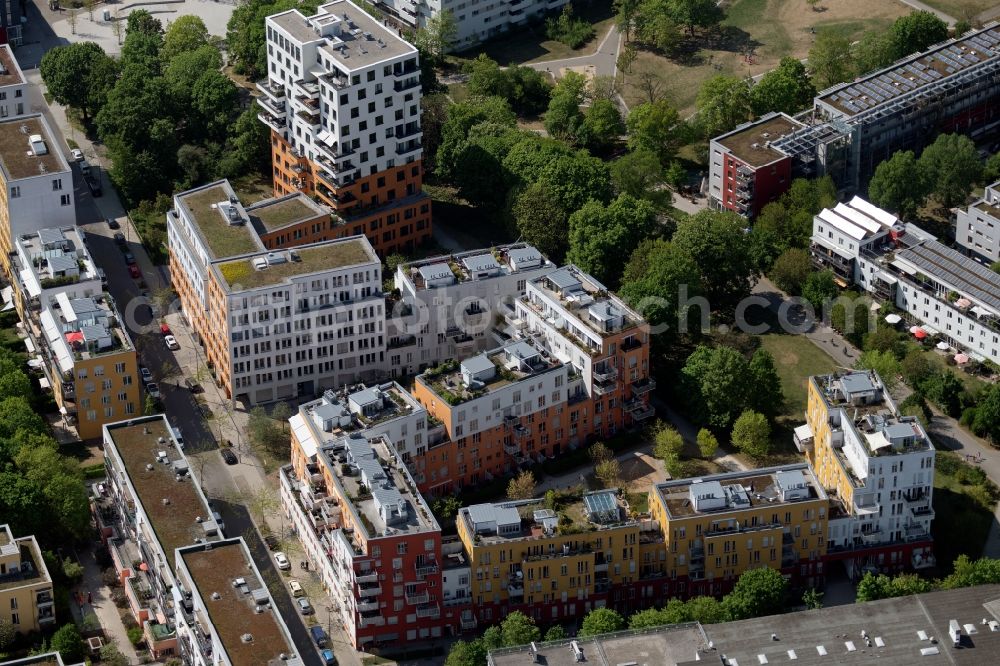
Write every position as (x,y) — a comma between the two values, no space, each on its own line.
(216,596)
(38,147)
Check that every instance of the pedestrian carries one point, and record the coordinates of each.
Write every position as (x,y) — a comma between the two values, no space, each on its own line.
(90,598)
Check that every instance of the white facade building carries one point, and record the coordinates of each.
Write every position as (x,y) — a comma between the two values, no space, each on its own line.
(949,295)
(448,304)
(476,20)
(343,90)
(977,229)
(13,86)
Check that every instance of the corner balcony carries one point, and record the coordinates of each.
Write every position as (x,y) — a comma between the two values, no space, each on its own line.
(370,590)
(371,621)
(639,410)
(275,123)
(273,90)
(367,606)
(276,109)
(311,118)
(417,598)
(644,386)
(367,578)
(605,373)
(604,388)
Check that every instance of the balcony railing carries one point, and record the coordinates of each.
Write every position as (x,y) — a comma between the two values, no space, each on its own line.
(271,89)
(639,410)
(367,606)
(370,590)
(605,373)
(415,598)
(469,623)
(643,386)
(429,611)
(365,579)
(604,389)
(426,569)
(373,621)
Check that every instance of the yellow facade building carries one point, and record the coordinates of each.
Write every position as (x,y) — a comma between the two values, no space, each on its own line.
(720,526)
(25,586)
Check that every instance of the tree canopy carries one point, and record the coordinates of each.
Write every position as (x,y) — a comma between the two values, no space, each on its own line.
(601,238)
(723,103)
(950,167)
(898,184)
(601,621)
(757,592)
(786,88)
(717,244)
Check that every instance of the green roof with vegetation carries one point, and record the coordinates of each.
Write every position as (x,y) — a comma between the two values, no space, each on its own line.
(273,215)
(223,239)
(326,256)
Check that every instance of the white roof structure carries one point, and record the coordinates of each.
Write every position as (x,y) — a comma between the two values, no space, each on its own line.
(842,224)
(859,218)
(871,210)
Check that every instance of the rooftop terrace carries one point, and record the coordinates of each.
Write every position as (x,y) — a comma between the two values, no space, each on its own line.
(582,297)
(266,269)
(343,412)
(10,71)
(20,159)
(57,257)
(28,568)
(275,214)
(750,143)
(176,509)
(739,491)
(378,486)
(475,265)
(232,589)
(224,236)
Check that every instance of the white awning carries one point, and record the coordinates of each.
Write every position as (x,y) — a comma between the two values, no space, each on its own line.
(930,330)
(326,136)
(30,283)
(804,432)
(304,436)
(30,345)
(34,362)
(67,309)
(44,383)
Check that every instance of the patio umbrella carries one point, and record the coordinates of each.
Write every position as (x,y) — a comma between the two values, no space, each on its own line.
(963,303)
(920,334)
(961,358)
(876,306)
(943,346)
(914,329)
(893,319)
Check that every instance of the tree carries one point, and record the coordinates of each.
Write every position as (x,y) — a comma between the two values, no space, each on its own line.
(950,167)
(112,656)
(149,406)
(786,88)
(851,317)
(651,85)
(655,127)
(790,270)
(215,99)
(602,124)
(639,174)
(71,18)
(541,221)
(717,244)
(609,473)
(967,573)
(462,117)
(599,453)
(439,35)
(601,238)
(885,339)
(668,443)
(466,653)
(695,13)
(625,14)
(571,31)
(945,389)
(991,170)
(897,185)
(767,396)
(68,642)
(518,629)
(875,50)
(758,592)
(652,283)
(656,28)
(676,175)
(522,486)
(563,119)
(752,434)
(916,31)
(187,33)
(884,363)
(601,621)
(879,586)
(830,60)
(723,103)
(915,368)
(820,288)
(707,443)
(987,420)
(116,27)
(555,633)
(717,383)
(77,75)
(524,88)
(812,598)
(7,634)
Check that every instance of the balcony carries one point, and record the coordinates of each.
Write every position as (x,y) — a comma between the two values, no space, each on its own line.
(605,373)
(370,590)
(515,589)
(271,89)
(311,118)
(644,386)
(744,171)
(604,388)
(276,109)
(429,611)
(512,449)
(639,410)
(426,569)
(371,621)
(367,606)
(417,598)
(469,623)
(277,124)
(916,533)
(406,84)
(923,511)
(367,578)
(410,146)
(923,561)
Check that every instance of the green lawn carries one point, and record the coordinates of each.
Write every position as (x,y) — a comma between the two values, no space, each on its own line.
(962,9)
(964,500)
(940,361)
(796,358)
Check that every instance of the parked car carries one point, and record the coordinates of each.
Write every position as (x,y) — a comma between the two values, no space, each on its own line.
(279,557)
(94,185)
(120,239)
(171,342)
(153,390)
(164,329)
(84,166)
(318,635)
(304,606)
(229,456)
(77,154)
(146,375)
(129,258)
(328,658)
(134,271)
(271,541)
(192,385)
(113,223)
(296,588)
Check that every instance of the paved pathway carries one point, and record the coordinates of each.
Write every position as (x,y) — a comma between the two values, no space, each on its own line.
(604,60)
(916,4)
(101,605)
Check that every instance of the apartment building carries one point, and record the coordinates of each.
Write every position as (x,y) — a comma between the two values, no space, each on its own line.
(227,615)
(475,20)
(47,659)
(746,173)
(26,600)
(280,323)
(878,467)
(151,506)
(558,563)
(977,228)
(342,100)
(74,330)
(37,188)
(448,304)
(854,126)
(950,296)
(369,534)
(13,85)
(719,526)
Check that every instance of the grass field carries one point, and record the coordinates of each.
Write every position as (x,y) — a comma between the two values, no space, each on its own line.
(773,29)
(964,500)
(962,9)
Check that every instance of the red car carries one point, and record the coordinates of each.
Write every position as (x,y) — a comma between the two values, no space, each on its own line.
(164,329)
(133,270)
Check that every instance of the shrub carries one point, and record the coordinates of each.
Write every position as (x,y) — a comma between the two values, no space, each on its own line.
(134,635)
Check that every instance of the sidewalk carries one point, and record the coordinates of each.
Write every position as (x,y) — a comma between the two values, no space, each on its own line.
(102,606)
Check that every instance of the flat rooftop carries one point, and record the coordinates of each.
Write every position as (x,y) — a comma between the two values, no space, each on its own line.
(329,255)
(37,572)
(221,238)
(275,214)
(355,39)
(738,491)
(173,506)
(960,273)
(17,157)
(233,615)
(588,301)
(934,66)
(340,413)
(61,253)
(749,143)
(474,265)
(664,646)
(10,71)
(899,630)
(990,209)
(47,659)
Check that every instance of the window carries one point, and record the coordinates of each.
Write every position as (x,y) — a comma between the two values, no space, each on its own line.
(57,184)
(64,200)
(15,192)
